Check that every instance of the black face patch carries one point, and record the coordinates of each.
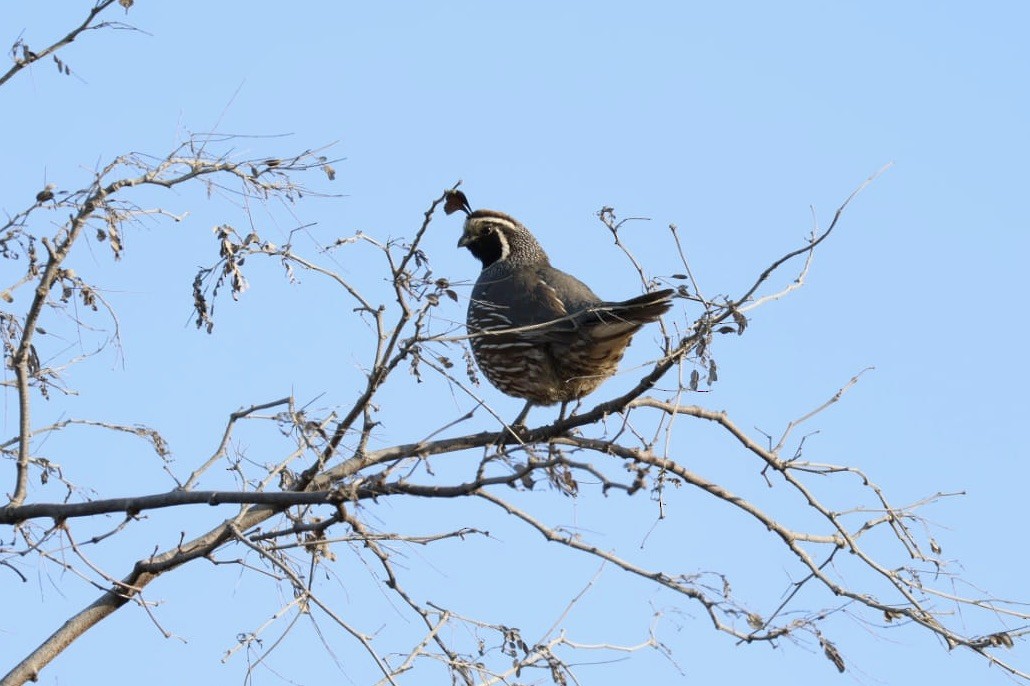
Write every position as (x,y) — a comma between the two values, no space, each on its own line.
(487,244)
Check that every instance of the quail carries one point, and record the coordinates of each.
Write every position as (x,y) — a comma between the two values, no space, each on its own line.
(536,332)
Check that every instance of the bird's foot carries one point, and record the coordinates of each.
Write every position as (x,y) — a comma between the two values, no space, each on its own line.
(517,430)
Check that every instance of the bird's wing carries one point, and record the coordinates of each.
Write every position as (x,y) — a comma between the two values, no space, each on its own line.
(568,293)
(549,300)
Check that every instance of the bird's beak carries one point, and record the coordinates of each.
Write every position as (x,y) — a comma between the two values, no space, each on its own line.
(464,240)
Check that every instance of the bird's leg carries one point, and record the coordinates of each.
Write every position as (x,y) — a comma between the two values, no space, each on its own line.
(521,419)
(552,451)
(518,427)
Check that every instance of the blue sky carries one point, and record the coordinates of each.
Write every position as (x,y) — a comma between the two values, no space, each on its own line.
(732,120)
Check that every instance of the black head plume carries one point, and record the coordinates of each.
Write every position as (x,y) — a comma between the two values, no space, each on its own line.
(455,200)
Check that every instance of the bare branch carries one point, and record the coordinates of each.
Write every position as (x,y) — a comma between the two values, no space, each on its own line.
(316,487)
(814,242)
(23,56)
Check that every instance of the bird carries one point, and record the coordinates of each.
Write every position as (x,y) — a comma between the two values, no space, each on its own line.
(536,332)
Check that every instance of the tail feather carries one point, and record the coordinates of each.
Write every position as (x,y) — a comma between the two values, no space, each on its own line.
(643,308)
(605,321)
(617,320)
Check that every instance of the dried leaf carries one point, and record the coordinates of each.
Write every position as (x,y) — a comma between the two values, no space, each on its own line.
(570,483)
(470,366)
(741,321)
(1000,639)
(329,171)
(115,240)
(7,297)
(830,651)
(46,194)
(695,378)
(126,4)
(452,295)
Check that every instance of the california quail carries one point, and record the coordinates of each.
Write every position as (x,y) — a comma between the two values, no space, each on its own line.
(536,332)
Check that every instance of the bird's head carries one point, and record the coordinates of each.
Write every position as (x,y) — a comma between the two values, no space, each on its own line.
(489,234)
(493,236)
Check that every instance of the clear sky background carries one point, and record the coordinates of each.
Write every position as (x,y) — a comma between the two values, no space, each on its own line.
(731,120)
